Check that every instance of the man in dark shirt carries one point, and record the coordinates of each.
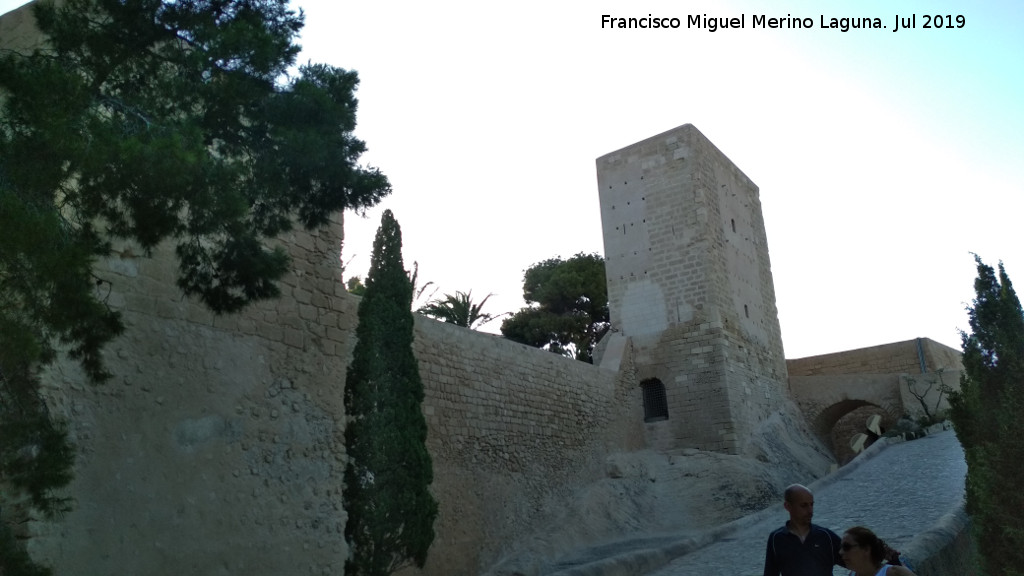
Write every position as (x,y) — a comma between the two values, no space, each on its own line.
(800,548)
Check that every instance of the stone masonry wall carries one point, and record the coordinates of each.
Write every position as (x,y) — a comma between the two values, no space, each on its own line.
(940,357)
(18,29)
(218,446)
(924,394)
(686,359)
(754,362)
(743,284)
(513,432)
(825,399)
(897,357)
(689,282)
(887,377)
(886,358)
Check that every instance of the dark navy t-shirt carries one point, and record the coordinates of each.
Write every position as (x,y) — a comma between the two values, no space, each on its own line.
(815,556)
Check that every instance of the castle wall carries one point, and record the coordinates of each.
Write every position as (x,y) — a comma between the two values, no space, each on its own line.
(940,357)
(218,445)
(218,448)
(836,392)
(18,30)
(824,400)
(689,282)
(823,385)
(896,357)
(929,390)
(514,431)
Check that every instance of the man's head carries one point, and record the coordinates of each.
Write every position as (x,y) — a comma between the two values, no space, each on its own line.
(799,502)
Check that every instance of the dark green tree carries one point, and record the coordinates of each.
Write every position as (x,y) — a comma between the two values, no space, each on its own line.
(159,120)
(568,310)
(987,416)
(156,121)
(13,557)
(458,309)
(390,509)
(48,296)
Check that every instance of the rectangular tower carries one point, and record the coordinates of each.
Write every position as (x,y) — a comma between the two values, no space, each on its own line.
(690,284)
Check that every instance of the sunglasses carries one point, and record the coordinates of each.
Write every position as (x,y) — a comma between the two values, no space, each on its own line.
(846,546)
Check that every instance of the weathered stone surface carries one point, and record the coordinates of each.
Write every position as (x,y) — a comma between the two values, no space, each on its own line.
(690,283)
(218,445)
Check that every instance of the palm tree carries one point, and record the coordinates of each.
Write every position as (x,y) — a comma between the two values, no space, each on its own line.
(417,290)
(458,309)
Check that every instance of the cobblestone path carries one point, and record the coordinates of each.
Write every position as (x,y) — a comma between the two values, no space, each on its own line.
(902,490)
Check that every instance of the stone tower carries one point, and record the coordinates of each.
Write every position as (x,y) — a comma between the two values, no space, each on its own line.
(690,286)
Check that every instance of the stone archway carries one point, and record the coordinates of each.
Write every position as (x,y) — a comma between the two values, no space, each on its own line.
(840,423)
(837,406)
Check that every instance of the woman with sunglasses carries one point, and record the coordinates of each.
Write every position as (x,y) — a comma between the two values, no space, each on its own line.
(863,553)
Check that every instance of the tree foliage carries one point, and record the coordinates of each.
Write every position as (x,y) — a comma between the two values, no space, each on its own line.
(153,120)
(177,121)
(354,285)
(14,559)
(458,309)
(568,309)
(986,414)
(390,509)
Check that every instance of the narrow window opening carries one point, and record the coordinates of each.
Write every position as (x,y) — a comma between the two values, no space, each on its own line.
(733,221)
(655,400)
(746,311)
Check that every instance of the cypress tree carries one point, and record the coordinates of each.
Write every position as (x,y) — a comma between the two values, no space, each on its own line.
(988,415)
(390,509)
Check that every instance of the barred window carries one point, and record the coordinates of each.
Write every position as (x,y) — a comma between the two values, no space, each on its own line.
(655,401)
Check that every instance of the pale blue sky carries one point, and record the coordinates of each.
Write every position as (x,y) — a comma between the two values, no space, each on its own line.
(883,158)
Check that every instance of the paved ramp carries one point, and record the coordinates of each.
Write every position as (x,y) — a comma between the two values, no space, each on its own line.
(898,490)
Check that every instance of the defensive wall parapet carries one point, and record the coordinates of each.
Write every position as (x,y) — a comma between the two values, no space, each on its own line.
(915,356)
